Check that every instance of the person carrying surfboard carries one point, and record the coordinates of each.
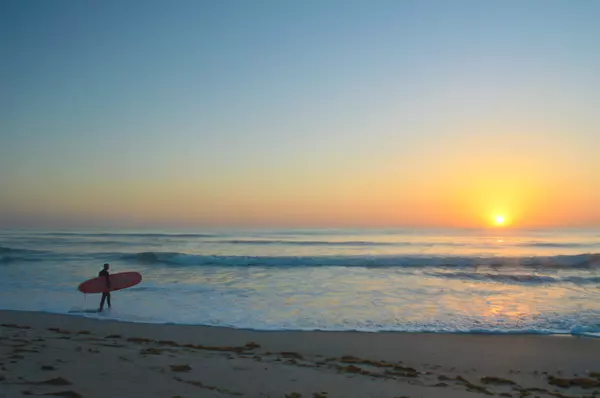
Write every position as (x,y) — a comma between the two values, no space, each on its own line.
(106,294)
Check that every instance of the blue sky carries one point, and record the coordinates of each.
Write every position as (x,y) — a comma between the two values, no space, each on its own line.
(230,108)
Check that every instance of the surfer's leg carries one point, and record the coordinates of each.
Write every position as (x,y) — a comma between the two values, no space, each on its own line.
(102,301)
(108,299)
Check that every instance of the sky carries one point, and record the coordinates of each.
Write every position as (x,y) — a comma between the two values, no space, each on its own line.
(304,113)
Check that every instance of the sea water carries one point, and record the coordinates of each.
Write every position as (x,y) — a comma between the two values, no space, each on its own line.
(459,281)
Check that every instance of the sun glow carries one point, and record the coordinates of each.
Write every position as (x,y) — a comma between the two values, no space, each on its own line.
(500,220)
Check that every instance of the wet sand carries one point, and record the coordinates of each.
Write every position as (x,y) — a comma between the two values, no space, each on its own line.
(69,356)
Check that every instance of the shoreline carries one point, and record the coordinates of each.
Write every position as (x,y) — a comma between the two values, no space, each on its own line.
(279,363)
(80,314)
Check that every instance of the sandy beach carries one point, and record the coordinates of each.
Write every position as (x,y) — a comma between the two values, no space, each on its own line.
(69,356)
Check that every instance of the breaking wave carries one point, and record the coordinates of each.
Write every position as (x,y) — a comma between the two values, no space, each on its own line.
(8,254)
(517,278)
(183,259)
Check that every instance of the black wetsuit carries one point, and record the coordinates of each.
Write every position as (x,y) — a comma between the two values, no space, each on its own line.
(105,296)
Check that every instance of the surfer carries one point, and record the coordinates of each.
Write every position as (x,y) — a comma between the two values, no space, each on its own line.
(105,295)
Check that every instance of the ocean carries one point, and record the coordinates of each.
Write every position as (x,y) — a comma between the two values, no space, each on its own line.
(405,280)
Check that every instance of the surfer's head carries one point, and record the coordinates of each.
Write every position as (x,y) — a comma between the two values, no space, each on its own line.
(106,266)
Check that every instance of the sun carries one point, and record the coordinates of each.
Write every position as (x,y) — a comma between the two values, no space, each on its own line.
(500,219)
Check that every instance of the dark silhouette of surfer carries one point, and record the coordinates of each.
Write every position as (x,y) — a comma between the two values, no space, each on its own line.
(105,295)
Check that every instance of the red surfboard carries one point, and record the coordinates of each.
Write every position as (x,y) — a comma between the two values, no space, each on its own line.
(121,280)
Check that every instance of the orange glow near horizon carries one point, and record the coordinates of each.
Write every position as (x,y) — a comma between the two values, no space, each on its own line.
(443,189)
(433,201)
